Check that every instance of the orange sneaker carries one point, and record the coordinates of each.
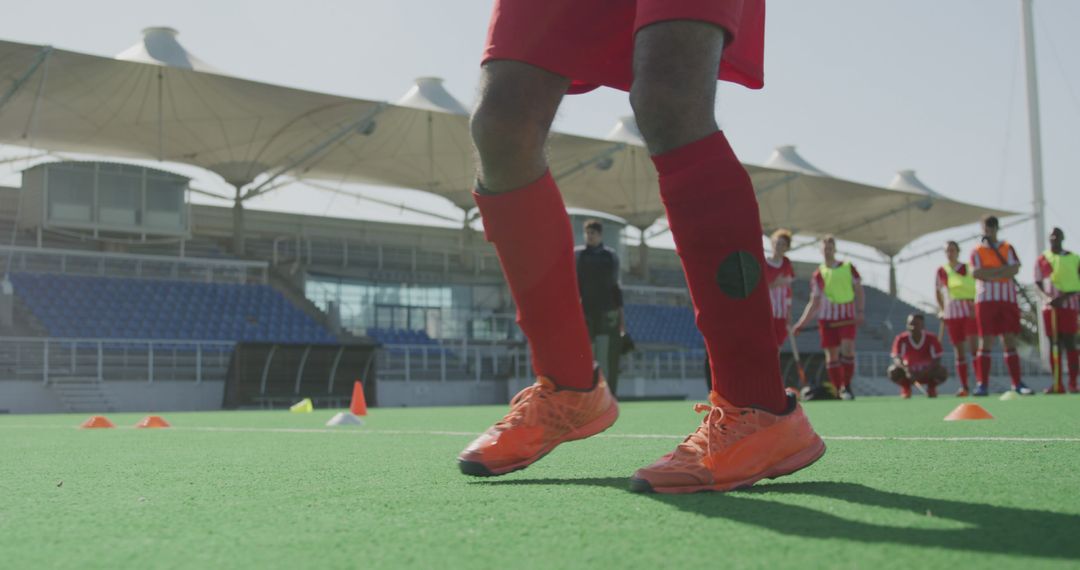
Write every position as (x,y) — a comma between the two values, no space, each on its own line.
(733,448)
(541,417)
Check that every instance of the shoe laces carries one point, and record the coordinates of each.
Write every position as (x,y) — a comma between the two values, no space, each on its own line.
(713,432)
(521,409)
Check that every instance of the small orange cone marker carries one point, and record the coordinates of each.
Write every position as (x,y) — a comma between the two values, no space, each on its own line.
(152,422)
(97,422)
(358,406)
(968,412)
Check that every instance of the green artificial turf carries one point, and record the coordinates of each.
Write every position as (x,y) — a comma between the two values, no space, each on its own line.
(260,495)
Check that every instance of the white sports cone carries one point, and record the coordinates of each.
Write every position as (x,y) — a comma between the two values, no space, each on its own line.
(345,419)
(1010,395)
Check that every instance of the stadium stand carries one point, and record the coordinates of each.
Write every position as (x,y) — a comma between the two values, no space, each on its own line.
(78,306)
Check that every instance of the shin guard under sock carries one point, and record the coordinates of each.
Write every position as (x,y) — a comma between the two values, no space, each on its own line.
(1074,367)
(1012,362)
(531,233)
(849,369)
(962,373)
(713,216)
(982,367)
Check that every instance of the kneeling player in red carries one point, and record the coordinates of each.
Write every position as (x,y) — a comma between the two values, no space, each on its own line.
(668,55)
(916,358)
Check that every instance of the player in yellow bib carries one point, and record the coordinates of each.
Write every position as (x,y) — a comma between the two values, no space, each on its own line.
(1057,275)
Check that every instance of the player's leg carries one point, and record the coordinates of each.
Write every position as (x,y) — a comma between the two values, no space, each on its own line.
(847,366)
(983,315)
(834,369)
(1012,363)
(714,221)
(525,218)
(961,344)
(1068,342)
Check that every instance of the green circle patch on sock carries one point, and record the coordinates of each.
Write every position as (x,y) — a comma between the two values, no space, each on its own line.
(738,274)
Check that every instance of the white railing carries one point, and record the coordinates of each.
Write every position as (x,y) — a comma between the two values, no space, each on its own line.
(379,256)
(105,264)
(52,359)
(475,363)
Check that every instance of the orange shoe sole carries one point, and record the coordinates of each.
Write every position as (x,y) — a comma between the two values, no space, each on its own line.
(798,461)
(599,425)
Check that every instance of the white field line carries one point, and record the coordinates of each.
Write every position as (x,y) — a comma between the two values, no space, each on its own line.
(362,431)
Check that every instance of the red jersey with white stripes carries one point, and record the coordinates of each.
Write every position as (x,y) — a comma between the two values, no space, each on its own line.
(954,308)
(829,311)
(1043,270)
(780,296)
(916,355)
(997,290)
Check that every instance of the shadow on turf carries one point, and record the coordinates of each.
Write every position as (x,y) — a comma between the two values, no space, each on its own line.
(994,529)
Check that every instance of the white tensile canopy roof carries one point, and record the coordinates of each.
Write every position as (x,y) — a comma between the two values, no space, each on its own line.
(793,193)
(158,101)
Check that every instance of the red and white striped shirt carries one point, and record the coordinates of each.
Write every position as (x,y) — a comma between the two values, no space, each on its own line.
(829,311)
(1000,290)
(780,296)
(954,308)
(917,355)
(1043,270)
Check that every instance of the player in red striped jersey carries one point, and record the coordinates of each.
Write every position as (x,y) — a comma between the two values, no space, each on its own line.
(779,274)
(955,291)
(997,312)
(837,300)
(1057,275)
(916,358)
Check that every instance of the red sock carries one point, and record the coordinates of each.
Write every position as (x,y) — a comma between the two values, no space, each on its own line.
(1012,362)
(1074,366)
(531,232)
(982,367)
(713,216)
(849,369)
(835,370)
(962,373)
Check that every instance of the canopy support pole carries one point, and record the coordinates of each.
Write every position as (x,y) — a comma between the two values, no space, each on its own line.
(892,276)
(643,256)
(238,222)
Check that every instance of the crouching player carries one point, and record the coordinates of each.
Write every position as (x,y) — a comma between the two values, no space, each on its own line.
(916,358)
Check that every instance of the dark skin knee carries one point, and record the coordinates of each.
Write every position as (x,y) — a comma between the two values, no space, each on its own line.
(674,89)
(517,104)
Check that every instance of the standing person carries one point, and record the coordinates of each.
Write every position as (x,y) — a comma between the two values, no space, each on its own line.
(601,298)
(955,291)
(838,301)
(997,312)
(916,358)
(1057,275)
(779,274)
(668,55)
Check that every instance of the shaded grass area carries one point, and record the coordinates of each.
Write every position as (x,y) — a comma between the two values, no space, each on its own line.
(366,497)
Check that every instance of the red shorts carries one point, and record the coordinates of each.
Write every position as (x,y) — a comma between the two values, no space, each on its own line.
(997,317)
(780,329)
(961,329)
(1066,321)
(592,42)
(831,336)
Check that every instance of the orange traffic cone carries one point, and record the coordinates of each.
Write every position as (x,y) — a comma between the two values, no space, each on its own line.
(97,422)
(152,422)
(968,412)
(358,406)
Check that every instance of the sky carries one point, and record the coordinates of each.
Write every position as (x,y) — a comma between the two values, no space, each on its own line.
(863,88)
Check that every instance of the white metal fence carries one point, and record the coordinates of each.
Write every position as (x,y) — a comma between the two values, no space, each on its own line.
(55,359)
(74,262)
